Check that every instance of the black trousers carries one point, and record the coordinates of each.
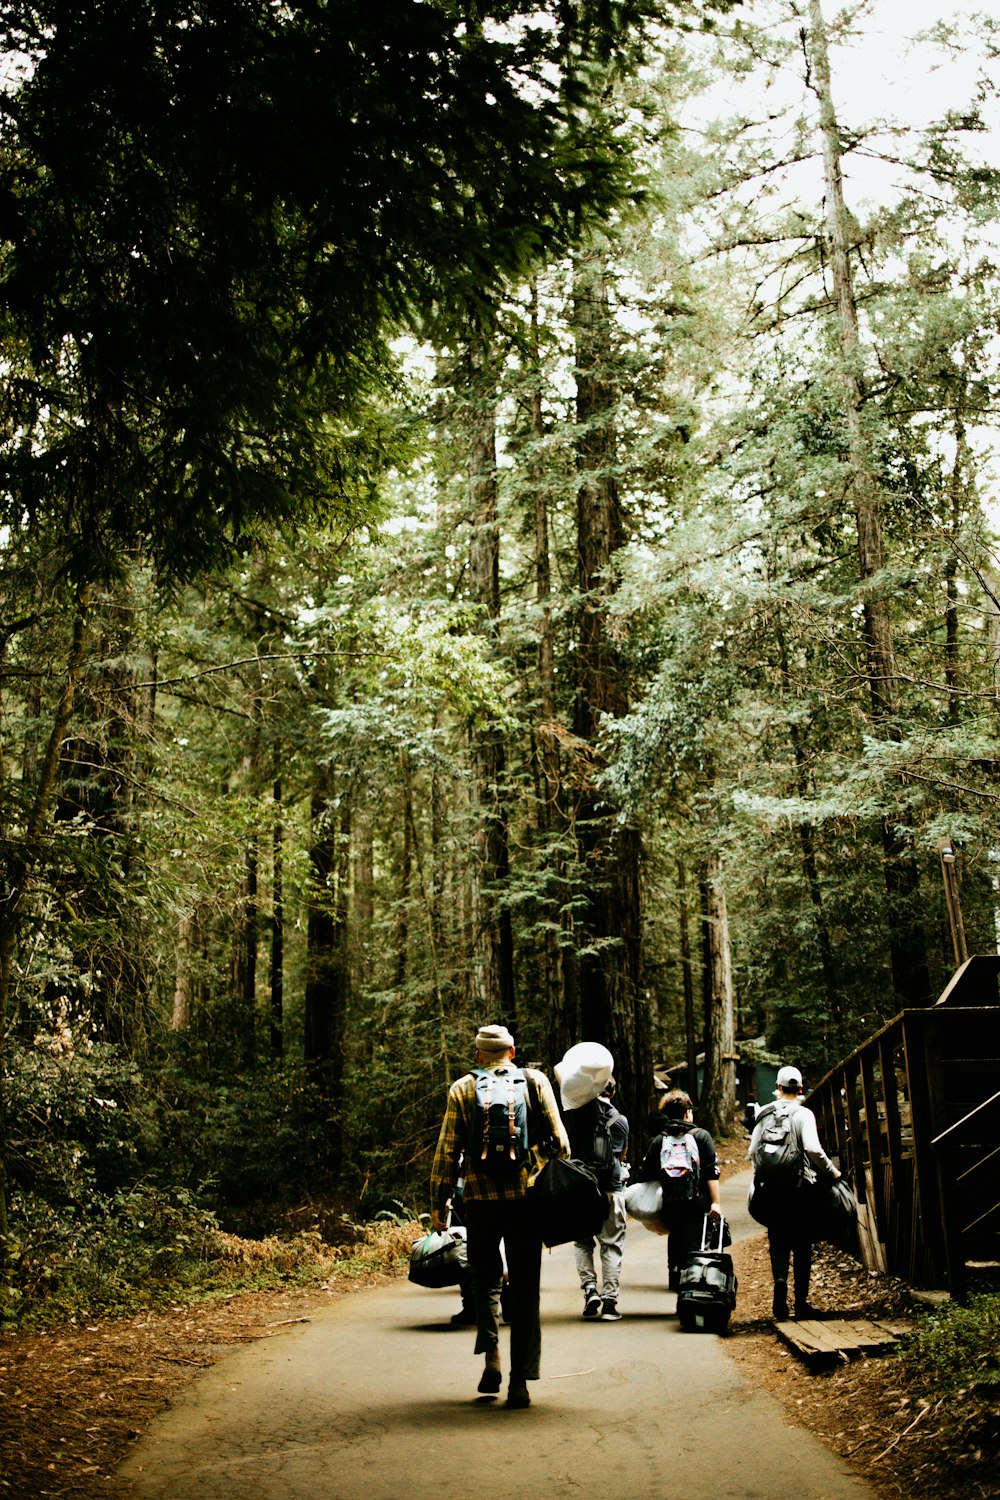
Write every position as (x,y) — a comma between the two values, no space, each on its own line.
(487,1226)
(685,1221)
(790,1244)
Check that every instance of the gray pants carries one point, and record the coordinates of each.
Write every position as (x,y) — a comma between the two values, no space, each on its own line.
(610,1241)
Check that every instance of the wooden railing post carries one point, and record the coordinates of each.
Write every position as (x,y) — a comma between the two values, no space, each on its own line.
(922,1049)
(873,1132)
(887,1044)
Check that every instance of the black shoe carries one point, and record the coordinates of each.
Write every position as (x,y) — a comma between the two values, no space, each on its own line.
(591,1303)
(466,1318)
(805,1311)
(779,1304)
(609,1311)
(489,1383)
(517,1395)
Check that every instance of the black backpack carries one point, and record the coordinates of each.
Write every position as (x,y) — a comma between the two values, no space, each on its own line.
(589,1131)
(498,1141)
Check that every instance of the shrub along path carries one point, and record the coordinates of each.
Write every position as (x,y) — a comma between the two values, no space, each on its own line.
(374,1399)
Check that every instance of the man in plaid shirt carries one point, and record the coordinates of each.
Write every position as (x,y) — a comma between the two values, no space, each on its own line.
(495,1209)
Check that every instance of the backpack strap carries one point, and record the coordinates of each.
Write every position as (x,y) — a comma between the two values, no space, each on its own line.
(546,1145)
(486,1117)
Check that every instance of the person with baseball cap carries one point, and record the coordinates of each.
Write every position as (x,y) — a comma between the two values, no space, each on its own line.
(495,1206)
(789,1220)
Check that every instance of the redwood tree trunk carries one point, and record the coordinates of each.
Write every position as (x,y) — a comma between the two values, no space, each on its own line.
(276,1009)
(494,932)
(561,1029)
(612,1006)
(687,979)
(718,1101)
(327,977)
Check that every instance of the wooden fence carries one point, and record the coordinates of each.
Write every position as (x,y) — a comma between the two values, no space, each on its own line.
(914,1117)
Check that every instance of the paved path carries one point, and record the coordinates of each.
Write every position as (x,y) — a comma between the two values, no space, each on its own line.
(375,1400)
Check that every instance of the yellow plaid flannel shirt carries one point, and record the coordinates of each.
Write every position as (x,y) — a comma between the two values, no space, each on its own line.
(544,1123)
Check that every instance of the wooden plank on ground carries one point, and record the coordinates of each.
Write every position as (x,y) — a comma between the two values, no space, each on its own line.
(819,1342)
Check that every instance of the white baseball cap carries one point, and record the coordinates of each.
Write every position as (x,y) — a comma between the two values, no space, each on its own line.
(788,1076)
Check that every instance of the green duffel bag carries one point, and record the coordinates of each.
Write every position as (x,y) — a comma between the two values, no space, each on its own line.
(439,1258)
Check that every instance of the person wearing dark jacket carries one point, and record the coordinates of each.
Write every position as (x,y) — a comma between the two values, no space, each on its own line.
(683,1215)
(609,1241)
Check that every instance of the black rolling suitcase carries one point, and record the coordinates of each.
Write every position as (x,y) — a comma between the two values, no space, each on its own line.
(707,1292)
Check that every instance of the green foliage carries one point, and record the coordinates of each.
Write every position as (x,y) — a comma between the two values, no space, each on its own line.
(196,292)
(955,1349)
(79,1119)
(246,1143)
(127,1183)
(153,1247)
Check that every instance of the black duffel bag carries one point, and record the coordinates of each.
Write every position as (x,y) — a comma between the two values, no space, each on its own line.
(773,1203)
(567,1202)
(835,1211)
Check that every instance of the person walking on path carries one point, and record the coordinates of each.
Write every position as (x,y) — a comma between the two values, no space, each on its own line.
(466,1315)
(598,1136)
(788,1162)
(498,1115)
(681,1157)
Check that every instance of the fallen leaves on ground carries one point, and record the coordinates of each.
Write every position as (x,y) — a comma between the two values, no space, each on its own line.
(899,1443)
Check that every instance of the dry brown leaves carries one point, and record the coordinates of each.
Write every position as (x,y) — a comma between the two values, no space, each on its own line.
(897,1441)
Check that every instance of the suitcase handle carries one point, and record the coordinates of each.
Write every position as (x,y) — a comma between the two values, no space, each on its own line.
(704,1233)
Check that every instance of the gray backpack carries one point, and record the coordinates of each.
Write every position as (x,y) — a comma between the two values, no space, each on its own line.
(777,1154)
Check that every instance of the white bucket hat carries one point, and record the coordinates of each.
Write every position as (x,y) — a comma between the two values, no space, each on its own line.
(583,1073)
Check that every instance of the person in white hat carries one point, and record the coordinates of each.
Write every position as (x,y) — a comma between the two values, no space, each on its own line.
(789,1222)
(598,1136)
(494,1202)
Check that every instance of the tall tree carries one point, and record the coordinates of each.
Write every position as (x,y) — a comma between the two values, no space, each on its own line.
(609,965)
(494,934)
(906,938)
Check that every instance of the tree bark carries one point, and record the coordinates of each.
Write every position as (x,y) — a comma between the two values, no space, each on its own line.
(243,969)
(402,965)
(957,500)
(327,977)
(494,931)
(718,1103)
(613,1008)
(907,947)
(22,862)
(687,979)
(807,843)
(561,1030)
(276,1009)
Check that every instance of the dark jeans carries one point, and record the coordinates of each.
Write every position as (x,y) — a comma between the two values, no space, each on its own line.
(486,1225)
(790,1243)
(685,1221)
